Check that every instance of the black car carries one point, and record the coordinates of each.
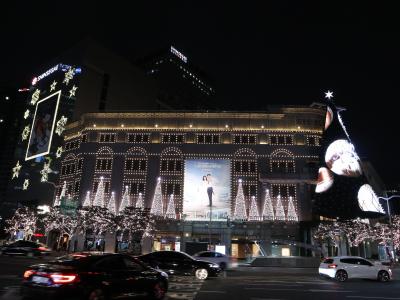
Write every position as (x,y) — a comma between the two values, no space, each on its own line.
(180,263)
(83,276)
(27,248)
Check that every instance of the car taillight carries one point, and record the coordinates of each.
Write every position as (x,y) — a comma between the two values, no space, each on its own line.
(332,266)
(62,278)
(42,249)
(28,273)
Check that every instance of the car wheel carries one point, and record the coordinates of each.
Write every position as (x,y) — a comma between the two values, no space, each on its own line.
(222,266)
(96,294)
(158,291)
(201,274)
(383,276)
(341,276)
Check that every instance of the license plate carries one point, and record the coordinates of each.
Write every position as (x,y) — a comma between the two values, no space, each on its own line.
(40,279)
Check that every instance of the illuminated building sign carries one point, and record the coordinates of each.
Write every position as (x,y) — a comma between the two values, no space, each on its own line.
(207,187)
(43,126)
(179,54)
(50,71)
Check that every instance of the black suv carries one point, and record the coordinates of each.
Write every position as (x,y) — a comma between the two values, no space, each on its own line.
(85,276)
(180,263)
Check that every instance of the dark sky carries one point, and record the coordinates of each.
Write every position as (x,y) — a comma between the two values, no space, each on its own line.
(256,53)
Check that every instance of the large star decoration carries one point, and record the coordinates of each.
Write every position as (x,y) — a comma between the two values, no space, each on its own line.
(72,91)
(328,95)
(53,86)
(25,132)
(69,75)
(35,96)
(59,152)
(16,170)
(45,172)
(25,185)
(61,125)
(26,114)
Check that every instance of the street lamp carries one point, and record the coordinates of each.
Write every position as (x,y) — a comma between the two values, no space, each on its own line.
(390,219)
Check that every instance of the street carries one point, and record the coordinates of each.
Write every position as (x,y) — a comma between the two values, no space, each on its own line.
(244,283)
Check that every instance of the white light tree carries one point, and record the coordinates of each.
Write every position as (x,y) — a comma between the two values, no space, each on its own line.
(124,200)
(24,219)
(171,213)
(291,213)
(86,201)
(140,201)
(279,211)
(254,215)
(268,209)
(111,204)
(58,200)
(239,213)
(157,207)
(99,196)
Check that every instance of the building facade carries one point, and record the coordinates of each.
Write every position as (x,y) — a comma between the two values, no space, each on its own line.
(252,174)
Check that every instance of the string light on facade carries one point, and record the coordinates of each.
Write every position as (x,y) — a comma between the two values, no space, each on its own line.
(16,170)
(25,185)
(72,91)
(279,211)
(291,214)
(53,86)
(239,213)
(26,114)
(60,127)
(59,152)
(268,209)
(171,213)
(69,75)
(25,132)
(157,207)
(35,96)
(253,212)
(45,172)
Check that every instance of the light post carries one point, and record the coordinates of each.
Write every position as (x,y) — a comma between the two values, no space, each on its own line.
(390,220)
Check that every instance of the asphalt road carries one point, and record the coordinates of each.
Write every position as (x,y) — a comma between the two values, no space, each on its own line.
(242,283)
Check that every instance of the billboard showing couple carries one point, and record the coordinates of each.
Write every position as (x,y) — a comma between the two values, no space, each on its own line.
(207,189)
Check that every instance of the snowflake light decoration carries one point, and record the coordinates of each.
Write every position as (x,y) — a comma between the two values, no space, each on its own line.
(61,125)
(26,114)
(25,132)
(328,95)
(59,152)
(16,170)
(45,172)
(25,185)
(53,86)
(35,96)
(69,75)
(72,91)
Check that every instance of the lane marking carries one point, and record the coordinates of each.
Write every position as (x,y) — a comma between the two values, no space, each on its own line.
(329,291)
(215,292)
(372,297)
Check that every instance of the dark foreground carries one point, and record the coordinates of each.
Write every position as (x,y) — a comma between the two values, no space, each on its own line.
(243,283)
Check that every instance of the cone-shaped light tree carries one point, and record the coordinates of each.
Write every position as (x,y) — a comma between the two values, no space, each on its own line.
(254,215)
(124,200)
(99,196)
(111,204)
(139,201)
(291,214)
(268,209)
(239,213)
(86,202)
(280,212)
(157,207)
(171,213)
(58,200)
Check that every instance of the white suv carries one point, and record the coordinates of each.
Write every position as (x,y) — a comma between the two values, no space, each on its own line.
(345,267)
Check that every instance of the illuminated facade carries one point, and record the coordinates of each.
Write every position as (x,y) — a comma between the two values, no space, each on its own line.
(206,163)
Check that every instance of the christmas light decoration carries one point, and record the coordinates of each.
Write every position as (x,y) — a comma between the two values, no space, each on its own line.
(140,201)
(279,211)
(87,202)
(58,200)
(25,132)
(45,172)
(171,213)
(111,204)
(25,185)
(60,127)
(59,152)
(72,91)
(240,205)
(157,207)
(16,170)
(69,75)
(99,196)
(53,86)
(125,200)
(26,114)
(254,215)
(328,95)
(291,213)
(268,209)
(35,96)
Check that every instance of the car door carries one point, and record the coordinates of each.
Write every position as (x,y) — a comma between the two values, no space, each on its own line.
(367,269)
(351,267)
(15,248)
(137,279)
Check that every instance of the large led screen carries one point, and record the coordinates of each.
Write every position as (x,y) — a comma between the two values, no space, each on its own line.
(43,126)
(207,189)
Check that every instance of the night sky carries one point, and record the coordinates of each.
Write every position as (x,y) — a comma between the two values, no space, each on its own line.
(284,53)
